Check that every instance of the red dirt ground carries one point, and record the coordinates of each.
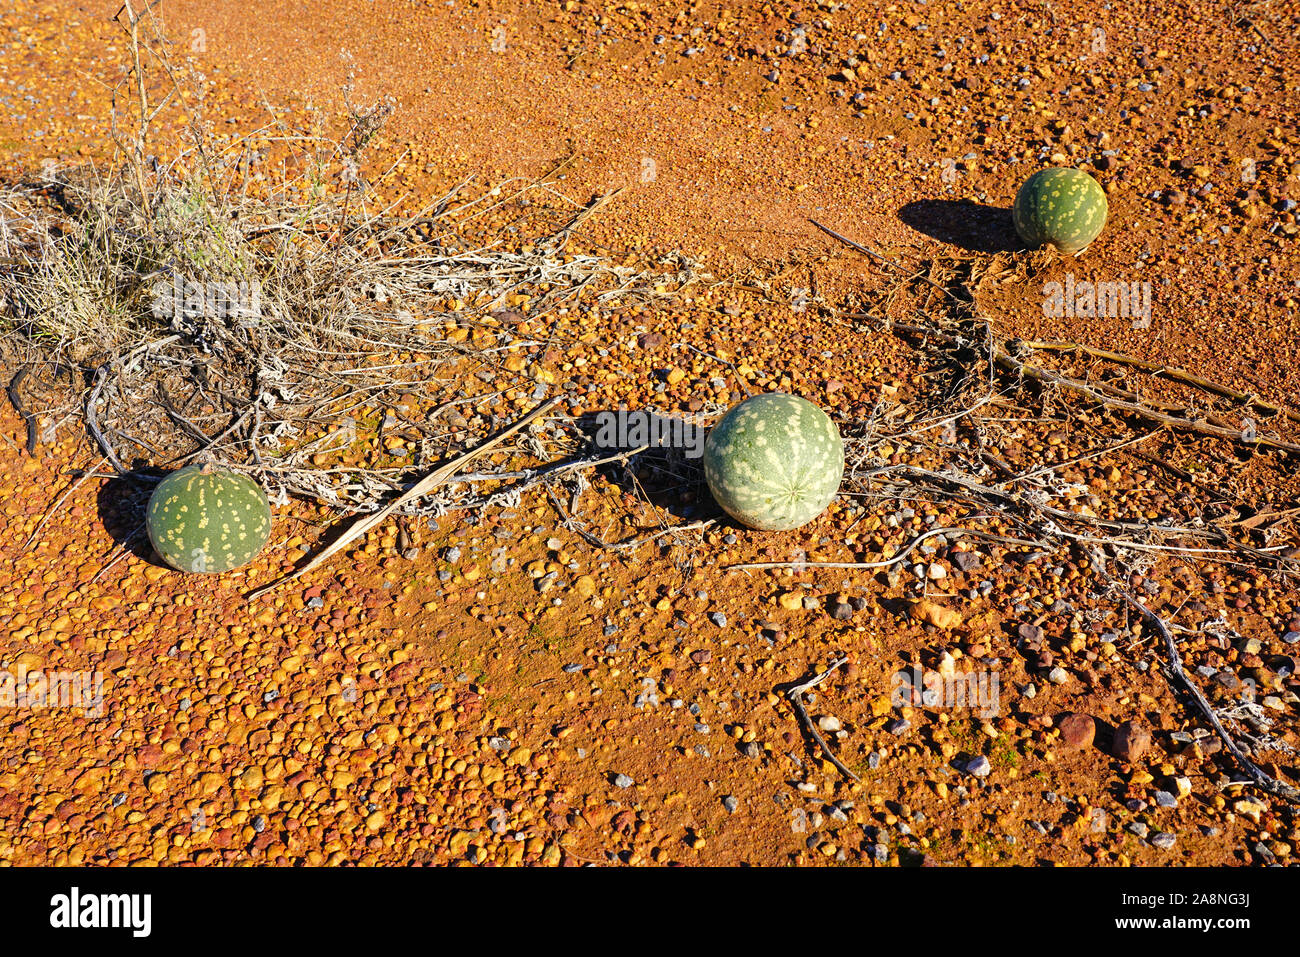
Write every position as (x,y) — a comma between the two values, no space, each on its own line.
(422,722)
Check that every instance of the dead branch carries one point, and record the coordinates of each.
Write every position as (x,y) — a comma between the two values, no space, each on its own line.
(796,694)
(422,487)
(1175,668)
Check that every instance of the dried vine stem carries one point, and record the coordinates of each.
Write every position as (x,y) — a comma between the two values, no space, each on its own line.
(897,559)
(1175,668)
(570,521)
(998,352)
(1003,358)
(422,487)
(1168,372)
(795,695)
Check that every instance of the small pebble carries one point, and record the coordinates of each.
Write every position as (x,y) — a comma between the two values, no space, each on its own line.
(979,767)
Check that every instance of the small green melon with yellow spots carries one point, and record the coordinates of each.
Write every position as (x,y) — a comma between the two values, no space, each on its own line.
(774,462)
(1061,206)
(207,519)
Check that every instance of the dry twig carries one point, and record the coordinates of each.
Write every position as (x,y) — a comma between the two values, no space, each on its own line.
(1175,668)
(422,487)
(796,694)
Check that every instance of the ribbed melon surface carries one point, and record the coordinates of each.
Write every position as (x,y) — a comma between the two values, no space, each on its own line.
(774,462)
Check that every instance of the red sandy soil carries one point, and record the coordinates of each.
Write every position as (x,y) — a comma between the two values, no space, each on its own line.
(416,722)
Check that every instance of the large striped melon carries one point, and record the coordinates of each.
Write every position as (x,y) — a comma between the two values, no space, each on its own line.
(774,462)
(1062,206)
(206,519)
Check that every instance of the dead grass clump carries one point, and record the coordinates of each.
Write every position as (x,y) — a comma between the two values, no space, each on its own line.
(203,310)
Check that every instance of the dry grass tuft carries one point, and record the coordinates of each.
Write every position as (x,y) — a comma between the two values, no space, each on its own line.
(208,311)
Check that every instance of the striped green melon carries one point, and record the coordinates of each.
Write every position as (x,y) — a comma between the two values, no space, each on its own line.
(1064,207)
(774,462)
(207,519)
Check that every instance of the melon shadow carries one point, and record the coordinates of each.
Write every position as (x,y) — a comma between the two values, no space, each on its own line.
(669,474)
(121,504)
(968,225)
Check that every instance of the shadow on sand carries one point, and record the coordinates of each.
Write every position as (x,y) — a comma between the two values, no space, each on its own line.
(971,226)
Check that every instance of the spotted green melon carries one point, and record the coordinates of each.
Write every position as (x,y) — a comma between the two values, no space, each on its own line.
(1064,207)
(207,519)
(774,462)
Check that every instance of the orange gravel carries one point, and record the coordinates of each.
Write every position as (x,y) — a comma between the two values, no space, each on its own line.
(428,711)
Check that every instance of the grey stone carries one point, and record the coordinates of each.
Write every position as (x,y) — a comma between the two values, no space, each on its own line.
(978,767)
